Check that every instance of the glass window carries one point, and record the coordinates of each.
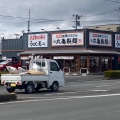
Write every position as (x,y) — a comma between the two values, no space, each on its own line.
(83,62)
(41,64)
(53,66)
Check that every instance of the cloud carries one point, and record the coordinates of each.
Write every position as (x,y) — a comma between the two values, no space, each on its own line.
(49,14)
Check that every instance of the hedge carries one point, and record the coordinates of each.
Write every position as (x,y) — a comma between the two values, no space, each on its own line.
(112,74)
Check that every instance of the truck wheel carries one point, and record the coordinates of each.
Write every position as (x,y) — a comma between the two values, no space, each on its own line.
(29,88)
(10,89)
(55,87)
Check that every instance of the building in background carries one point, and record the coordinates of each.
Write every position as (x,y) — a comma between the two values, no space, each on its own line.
(77,51)
(109,27)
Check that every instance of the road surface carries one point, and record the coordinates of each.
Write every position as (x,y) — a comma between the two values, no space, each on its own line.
(86,99)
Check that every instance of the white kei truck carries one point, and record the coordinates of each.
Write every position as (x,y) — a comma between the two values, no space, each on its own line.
(52,79)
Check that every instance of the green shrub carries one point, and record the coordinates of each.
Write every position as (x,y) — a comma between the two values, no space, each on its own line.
(112,74)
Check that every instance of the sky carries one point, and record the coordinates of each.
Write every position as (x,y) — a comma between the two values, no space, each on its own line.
(52,14)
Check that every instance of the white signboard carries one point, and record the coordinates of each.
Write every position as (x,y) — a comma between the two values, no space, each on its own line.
(64,57)
(38,40)
(68,39)
(117,40)
(99,39)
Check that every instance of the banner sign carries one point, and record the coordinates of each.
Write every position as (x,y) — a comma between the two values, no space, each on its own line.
(99,39)
(68,39)
(38,40)
(117,40)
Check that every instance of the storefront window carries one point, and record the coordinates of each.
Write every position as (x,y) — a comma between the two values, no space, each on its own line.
(71,64)
(94,64)
(67,63)
(83,62)
(105,63)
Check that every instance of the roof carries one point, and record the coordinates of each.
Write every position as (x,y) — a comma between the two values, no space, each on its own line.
(108,27)
(68,52)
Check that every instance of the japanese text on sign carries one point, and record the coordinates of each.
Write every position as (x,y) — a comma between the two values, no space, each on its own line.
(67,39)
(37,40)
(99,39)
(117,40)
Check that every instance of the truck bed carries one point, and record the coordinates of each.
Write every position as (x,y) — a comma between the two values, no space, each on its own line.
(24,77)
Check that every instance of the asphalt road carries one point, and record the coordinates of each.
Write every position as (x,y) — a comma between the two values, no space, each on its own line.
(82,98)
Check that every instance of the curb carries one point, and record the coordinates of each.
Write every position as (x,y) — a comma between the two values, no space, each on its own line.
(8,97)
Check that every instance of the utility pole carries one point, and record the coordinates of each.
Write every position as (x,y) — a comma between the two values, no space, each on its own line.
(77,23)
(29,22)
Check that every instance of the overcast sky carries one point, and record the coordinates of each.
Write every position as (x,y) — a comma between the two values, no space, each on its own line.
(49,14)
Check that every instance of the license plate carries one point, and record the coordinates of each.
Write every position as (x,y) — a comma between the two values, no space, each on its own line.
(13,85)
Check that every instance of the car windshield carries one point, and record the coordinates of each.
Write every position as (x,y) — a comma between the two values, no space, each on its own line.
(4,62)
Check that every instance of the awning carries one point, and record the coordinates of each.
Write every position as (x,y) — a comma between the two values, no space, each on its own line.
(56,52)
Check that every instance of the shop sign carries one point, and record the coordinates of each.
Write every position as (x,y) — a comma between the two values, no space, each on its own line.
(31,57)
(38,40)
(117,40)
(99,39)
(64,57)
(68,39)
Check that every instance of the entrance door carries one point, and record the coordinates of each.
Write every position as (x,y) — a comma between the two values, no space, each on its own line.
(105,63)
(70,65)
(94,64)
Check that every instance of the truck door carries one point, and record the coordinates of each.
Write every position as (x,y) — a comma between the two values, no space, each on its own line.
(56,73)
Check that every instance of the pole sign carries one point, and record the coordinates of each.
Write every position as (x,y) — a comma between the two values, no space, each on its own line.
(68,39)
(37,40)
(117,40)
(99,39)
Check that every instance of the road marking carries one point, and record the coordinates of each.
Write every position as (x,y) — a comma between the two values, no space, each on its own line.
(80,85)
(103,85)
(63,98)
(71,82)
(63,93)
(99,90)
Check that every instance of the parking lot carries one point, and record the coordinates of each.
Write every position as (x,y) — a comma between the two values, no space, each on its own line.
(74,86)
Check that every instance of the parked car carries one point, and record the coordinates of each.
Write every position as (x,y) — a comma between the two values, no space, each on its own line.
(3,64)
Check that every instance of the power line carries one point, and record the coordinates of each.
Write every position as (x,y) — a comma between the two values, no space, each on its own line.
(77,23)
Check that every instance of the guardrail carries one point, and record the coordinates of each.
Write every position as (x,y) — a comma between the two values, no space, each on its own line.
(65,68)
(83,69)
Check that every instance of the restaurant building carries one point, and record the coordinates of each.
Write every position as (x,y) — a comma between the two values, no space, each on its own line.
(77,51)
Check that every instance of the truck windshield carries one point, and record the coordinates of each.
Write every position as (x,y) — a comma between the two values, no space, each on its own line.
(37,65)
(41,64)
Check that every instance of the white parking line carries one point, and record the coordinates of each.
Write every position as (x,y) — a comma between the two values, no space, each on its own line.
(63,98)
(100,90)
(62,93)
(79,85)
(103,85)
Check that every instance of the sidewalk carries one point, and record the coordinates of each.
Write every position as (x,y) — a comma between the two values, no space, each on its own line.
(87,77)
(8,97)
(72,73)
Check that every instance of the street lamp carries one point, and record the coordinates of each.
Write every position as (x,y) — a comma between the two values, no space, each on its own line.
(16,35)
(58,28)
(43,29)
